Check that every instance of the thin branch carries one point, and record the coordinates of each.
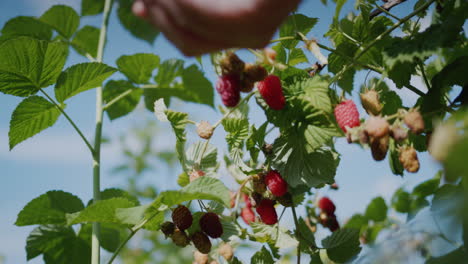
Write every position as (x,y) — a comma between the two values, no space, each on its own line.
(119,97)
(387,6)
(387,12)
(296,222)
(69,120)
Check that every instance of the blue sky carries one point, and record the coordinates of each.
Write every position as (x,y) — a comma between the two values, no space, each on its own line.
(57,159)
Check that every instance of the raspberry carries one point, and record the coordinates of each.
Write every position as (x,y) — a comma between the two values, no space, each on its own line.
(195,174)
(247,201)
(168,228)
(414,121)
(205,130)
(201,242)
(377,127)
(409,158)
(275,183)
(254,72)
(228,86)
(248,215)
(231,64)
(379,147)
(326,205)
(332,223)
(347,115)
(258,183)
(182,217)
(211,225)
(272,91)
(199,257)
(398,133)
(180,238)
(226,251)
(285,200)
(267,212)
(370,102)
(246,85)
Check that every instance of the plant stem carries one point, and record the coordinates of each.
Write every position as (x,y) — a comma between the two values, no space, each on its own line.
(281,39)
(95,247)
(387,12)
(119,97)
(296,222)
(69,120)
(245,99)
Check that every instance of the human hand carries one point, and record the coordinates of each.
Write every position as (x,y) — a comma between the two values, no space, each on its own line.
(201,26)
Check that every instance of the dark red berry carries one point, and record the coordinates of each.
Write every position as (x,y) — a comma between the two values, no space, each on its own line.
(326,205)
(267,212)
(272,92)
(182,217)
(211,225)
(228,86)
(275,183)
(201,242)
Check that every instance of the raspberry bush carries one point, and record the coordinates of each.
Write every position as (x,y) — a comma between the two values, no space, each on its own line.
(306,91)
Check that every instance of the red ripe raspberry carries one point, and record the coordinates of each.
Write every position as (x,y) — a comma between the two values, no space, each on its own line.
(211,225)
(332,223)
(326,205)
(182,217)
(275,183)
(228,86)
(267,212)
(272,91)
(247,201)
(248,215)
(347,115)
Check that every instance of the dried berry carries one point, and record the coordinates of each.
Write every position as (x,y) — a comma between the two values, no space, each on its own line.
(168,228)
(246,85)
(182,217)
(201,242)
(409,159)
(231,64)
(267,212)
(276,183)
(258,183)
(415,122)
(379,147)
(180,238)
(370,102)
(255,72)
(211,225)
(205,130)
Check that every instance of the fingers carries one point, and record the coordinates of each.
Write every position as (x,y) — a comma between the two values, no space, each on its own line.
(187,42)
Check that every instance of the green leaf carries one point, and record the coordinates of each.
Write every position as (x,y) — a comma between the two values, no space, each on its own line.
(394,161)
(197,88)
(168,71)
(132,215)
(262,257)
(377,210)
(109,236)
(280,237)
(428,187)
(447,210)
(295,24)
(91,7)
(203,188)
(237,132)
(138,67)
(357,221)
(33,115)
(305,235)
(183,179)
(63,19)
(49,208)
(102,211)
(203,156)
(297,56)
(342,245)
(401,201)
(86,41)
(138,27)
(124,105)
(58,244)
(81,77)
(27,64)
(116,193)
(26,26)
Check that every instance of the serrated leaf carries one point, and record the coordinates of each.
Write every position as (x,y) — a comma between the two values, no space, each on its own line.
(63,19)
(297,56)
(278,236)
(49,208)
(294,24)
(109,236)
(138,27)
(132,215)
(91,7)
(237,132)
(202,155)
(33,115)
(168,71)
(58,244)
(377,210)
(138,67)
(26,26)
(262,257)
(203,188)
(342,245)
(81,77)
(115,193)
(27,64)
(124,105)
(197,87)
(86,41)
(102,211)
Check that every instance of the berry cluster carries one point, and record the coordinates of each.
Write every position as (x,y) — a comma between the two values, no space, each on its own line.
(182,219)
(268,189)
(237,76)
(377,131)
